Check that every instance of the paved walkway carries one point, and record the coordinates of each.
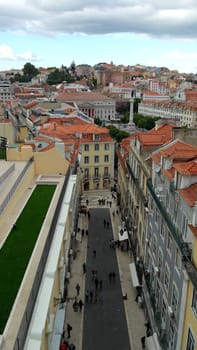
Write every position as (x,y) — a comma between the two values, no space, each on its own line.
(81,330)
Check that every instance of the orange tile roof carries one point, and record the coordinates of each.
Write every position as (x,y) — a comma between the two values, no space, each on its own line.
(5,120)
(156,137)
(179,150)
(81,96)
(187,168)
(176,151)
(156,157)
(30,104)
(189,194)
(64,131)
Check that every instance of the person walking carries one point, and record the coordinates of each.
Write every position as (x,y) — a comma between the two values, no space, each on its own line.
(77,288)
(94,253)
(100,284)
(75,305)
(80,305)
(87,296)
(110,276)
(91,296)
(96,281)
(113,276)
(86,232)
(84,267)
(69,329)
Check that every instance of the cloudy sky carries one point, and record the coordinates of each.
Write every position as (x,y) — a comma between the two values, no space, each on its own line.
(51,33)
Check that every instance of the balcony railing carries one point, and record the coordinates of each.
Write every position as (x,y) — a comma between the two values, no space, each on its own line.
(154,313)
(186,254)
(137,184)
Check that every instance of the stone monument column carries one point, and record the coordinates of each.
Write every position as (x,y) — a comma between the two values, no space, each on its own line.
(131,112)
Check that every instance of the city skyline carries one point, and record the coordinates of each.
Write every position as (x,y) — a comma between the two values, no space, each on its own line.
(123,32)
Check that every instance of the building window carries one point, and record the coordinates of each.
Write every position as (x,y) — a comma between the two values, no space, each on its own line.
(162,230)
(166,277)
(178,260)
(85,136)
(86,147)
(96,172)
(106,158)
(156,214)
(86,160)
(106,136)
(169,243)
(190,341)
(106,146)
(86,172)
(106,171)
(97,137)
(154,245)
(194,302)
(171,336)
(163,315)
(175,297)
(96,159)
(160,263)
(96,147)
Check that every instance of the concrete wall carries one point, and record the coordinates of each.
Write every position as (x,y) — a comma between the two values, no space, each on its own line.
(13,153)
(7,130)
(50,162)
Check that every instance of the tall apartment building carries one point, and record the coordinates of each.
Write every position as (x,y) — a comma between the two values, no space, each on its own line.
(170,275)
(161,214)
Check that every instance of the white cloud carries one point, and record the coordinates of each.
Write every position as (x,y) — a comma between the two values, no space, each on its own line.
(169,18)
(7,53)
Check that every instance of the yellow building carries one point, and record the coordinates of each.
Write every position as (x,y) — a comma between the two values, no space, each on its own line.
(97,158)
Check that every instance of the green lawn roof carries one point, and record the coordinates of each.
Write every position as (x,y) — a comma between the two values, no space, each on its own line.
(18,247)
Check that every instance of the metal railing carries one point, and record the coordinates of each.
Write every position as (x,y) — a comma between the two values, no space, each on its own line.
(176,233)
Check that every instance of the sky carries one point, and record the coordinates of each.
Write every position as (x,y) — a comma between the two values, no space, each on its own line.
(50,33)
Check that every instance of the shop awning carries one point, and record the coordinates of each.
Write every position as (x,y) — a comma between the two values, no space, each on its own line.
(58,328)
(152,342)
(123,236)
(134,276)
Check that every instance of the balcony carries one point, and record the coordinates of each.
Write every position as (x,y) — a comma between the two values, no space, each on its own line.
(86,178)
(96,177)
(183,247)
(106,177)
(137,183)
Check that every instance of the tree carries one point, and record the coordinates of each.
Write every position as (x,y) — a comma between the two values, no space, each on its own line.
(125,118)
(97,121)
(58,76)
(29,71)
(72,68)
(117,134)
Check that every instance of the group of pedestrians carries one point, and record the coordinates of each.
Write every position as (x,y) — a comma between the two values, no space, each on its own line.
(112,276)
(105,223)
